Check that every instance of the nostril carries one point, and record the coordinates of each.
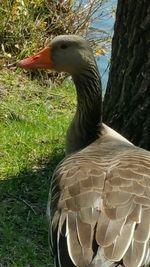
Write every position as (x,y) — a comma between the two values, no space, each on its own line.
(35,57)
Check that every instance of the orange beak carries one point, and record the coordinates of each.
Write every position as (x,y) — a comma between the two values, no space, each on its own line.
(41,60)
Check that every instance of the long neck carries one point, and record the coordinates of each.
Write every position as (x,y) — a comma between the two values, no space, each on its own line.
(85,127)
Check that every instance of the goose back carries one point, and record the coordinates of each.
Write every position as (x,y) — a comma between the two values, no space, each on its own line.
(100,205)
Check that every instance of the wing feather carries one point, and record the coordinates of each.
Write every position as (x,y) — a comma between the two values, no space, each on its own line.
(85,236)
(147,255)
(104,201)
(142,232)
(117,250)
(74,247)
(108,229)
(135,254)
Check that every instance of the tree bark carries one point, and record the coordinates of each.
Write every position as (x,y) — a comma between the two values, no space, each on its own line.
(127,98)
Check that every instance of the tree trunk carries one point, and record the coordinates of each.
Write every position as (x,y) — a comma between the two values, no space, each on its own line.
(127,99)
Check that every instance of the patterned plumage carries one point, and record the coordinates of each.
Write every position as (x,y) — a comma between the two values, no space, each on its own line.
(99,200)
(103,202)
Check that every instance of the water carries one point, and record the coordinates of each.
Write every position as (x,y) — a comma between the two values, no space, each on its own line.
(106,23)
(105,18)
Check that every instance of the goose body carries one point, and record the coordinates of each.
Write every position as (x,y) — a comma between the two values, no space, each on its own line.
(99,201)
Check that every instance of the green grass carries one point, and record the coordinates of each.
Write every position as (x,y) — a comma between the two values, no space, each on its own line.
(33,121)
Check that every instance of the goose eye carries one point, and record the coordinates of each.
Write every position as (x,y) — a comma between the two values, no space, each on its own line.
(63,46)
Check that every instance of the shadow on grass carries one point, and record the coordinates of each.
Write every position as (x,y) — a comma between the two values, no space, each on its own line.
(23,227)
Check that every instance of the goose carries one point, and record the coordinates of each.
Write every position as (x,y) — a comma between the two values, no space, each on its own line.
(99,201)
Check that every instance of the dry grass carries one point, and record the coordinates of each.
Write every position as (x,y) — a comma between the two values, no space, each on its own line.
(25,24)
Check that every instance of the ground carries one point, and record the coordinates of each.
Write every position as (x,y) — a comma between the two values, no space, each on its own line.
(33,121)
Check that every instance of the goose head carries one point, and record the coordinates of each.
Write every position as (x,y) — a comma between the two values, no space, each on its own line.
(65,53)
(73,54)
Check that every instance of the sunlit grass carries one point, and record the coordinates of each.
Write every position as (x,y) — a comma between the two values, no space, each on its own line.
(33,120)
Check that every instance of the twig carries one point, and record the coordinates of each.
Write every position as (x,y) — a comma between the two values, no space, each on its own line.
(25,202)
(9,65)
